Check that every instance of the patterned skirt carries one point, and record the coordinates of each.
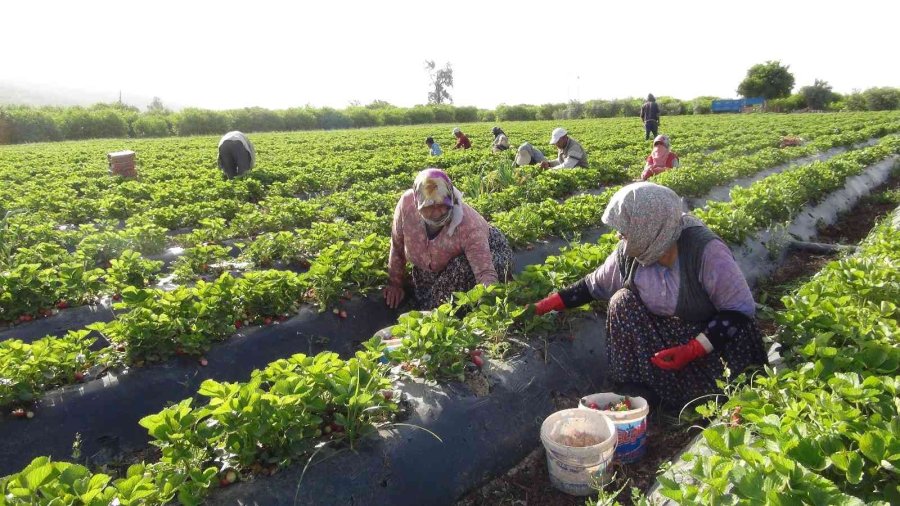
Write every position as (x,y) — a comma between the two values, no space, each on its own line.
(434,288)
(634,334)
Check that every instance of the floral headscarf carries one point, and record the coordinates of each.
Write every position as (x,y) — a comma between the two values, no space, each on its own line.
(661,150)
(433,186)
(650,217)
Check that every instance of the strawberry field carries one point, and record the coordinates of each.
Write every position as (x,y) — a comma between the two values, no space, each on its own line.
(227,324)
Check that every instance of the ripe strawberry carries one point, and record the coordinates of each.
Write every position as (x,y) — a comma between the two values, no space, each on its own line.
(223,482)
(342,313)
(238,324)
(388,394)
(62,304)
(203,361)
(79,376)
(117,297)
(282,317)
(478,361)
(267,320)
(18,413)
(594,405)
(336,427)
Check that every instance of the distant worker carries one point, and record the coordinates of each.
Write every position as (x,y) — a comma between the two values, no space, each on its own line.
(570,154)
(435,147)
(450,246)
(462,142)
(661,159)
(650,117)
(501,141)
(236,154)
(529,155)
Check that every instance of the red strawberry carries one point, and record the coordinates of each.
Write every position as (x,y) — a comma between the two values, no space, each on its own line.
(120,347)
(62,304)
(18,413)
(478,361)
(203,361)
(267,320)
(342,313)
(117,296)
(238,324)
(282,318)
(223,482)
(594,405)
(336,427)
(388,394)
(79,376)
(475,353)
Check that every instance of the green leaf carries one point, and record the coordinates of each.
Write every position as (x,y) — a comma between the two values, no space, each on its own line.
(872,446)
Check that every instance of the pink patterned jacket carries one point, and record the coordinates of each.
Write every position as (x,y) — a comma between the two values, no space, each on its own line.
(409,242)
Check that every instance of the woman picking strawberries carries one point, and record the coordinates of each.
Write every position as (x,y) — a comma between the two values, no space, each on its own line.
(679,305)
(450,245)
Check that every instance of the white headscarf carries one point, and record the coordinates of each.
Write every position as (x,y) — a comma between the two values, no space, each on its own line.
(650,217)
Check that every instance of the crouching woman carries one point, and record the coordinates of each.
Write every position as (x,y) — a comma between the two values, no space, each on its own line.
(680,309)
(450,246)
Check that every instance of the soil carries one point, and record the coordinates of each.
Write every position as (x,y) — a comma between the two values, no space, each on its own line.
(850,229)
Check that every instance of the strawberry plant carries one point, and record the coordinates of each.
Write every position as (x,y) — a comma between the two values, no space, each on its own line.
(131,269)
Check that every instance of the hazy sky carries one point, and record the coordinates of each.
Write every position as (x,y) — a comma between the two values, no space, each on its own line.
(329,53)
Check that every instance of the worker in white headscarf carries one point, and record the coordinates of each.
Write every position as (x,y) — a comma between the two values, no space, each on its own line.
(529,155)
(679,305)
(236,154)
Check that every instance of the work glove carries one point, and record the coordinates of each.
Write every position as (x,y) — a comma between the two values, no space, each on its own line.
(676,357)
(552,302)
(574,295)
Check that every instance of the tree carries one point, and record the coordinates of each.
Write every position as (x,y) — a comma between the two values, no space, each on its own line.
(441,79)
(156,107)
(768,80)
(818,95)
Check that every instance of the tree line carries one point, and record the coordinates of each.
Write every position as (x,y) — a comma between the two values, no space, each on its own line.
(20,124)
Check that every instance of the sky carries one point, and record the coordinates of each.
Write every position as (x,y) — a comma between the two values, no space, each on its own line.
(280,54)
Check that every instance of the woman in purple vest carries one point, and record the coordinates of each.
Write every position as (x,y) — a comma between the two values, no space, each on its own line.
(679,305)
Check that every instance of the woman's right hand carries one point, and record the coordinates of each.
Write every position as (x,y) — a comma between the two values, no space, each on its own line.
(552,302)
(545,165)
(393,295)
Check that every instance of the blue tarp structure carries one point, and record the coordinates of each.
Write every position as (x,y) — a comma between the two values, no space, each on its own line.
(736,105)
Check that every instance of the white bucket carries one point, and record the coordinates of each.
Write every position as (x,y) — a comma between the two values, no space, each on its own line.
(578,470)
(631,425)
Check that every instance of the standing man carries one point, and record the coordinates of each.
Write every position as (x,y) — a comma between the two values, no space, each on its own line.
(650,117)
(569,153)
(462,142)
(236,154)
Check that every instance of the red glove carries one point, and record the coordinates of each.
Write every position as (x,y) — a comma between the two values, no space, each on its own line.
(552,302)
(676,357)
